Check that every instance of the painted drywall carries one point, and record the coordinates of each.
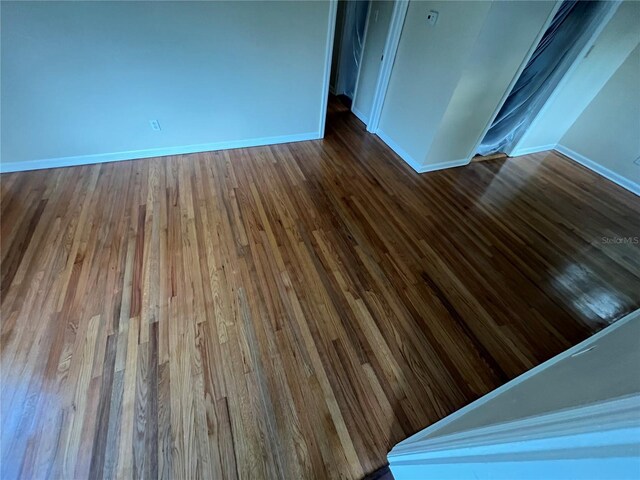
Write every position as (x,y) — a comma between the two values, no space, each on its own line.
(607,132)
(449,79)
(85,78)
(377,29)
(612,46)
(509,34)
(427,68)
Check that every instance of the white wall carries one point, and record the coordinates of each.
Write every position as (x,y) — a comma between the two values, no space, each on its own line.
(607,132)
(508,34)
(427,67)
(85,78)
(612,46)
(377,29)
(448,79)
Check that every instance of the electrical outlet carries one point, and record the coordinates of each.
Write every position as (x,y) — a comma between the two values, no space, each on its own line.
(155,125)
(432,17)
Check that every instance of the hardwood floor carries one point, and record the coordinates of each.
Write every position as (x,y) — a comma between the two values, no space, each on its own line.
(289,311)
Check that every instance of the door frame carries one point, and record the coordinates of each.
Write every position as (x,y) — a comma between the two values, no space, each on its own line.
(328,53)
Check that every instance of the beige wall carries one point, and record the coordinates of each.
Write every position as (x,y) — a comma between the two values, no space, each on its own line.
(449,79)
(85,78)
(507,36)
(607,132)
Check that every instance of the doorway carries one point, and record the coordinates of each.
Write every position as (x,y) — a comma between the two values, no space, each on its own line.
(348,45)
(363,56)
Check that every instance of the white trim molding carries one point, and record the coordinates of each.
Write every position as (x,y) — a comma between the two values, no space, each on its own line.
(596,167)
(530,150)
(432,167)
(390,49)
(569,444)
(6,167)
(417,166)
(617,412)
(328,53)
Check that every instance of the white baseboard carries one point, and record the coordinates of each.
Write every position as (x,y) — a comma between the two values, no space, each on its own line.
(363,118)
(417,166)
(596,167)
(518,152)
(432,167)
(399,151)
(6,167)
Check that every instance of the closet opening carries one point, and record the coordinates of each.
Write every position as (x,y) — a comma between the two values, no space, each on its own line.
(571,29)
(348,45)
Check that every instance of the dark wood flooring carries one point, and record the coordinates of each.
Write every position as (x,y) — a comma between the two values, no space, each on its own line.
(289,311)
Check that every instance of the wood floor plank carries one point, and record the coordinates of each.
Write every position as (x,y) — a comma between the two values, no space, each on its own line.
(287,311)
